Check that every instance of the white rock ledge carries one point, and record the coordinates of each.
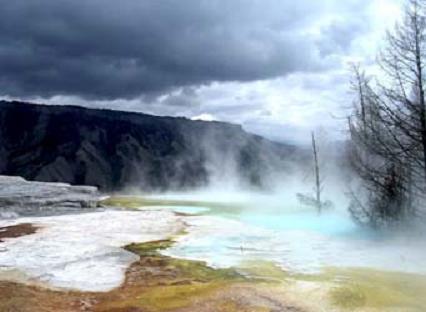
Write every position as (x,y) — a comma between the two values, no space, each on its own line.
(83,251)
(21,197)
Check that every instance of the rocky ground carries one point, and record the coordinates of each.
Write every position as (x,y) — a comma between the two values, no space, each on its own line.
(155,283)
(62,255)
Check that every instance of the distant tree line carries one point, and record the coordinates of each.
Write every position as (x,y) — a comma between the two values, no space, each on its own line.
(388,127)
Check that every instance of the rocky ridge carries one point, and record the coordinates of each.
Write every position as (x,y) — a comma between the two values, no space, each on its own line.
(115,150)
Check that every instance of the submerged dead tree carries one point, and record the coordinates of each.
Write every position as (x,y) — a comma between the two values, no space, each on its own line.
(317,174)
(315,201)
(388,127)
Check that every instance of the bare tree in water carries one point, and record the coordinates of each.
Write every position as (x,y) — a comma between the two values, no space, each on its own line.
(315,200)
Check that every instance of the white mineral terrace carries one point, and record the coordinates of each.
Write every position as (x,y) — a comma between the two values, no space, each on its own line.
(82,251)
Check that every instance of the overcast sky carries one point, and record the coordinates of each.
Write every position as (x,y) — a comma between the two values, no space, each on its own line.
(278,67)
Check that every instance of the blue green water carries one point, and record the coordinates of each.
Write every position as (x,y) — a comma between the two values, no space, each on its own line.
(298,241)
(331,224)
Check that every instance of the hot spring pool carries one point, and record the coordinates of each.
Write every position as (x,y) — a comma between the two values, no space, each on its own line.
(296,241)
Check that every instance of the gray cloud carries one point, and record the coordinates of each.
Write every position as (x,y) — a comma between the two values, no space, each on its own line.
(339,35)
(108,49)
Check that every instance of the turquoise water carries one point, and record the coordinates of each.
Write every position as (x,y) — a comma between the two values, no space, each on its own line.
(299,241)
(331,224)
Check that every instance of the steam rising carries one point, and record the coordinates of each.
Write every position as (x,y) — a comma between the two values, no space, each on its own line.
(269,223)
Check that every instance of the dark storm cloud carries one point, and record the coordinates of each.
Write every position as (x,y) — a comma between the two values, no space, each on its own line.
(109,49)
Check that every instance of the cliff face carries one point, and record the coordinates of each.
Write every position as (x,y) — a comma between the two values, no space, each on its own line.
(113,150)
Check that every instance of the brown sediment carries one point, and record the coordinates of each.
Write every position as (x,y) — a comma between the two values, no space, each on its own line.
(183,214)
(348,289)
(17,230)
(155,283)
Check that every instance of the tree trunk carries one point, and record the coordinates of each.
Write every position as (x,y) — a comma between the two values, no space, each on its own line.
(317,174)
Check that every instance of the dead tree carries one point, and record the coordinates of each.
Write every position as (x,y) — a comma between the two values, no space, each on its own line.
(315,201)
(317,174)
(388,125)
